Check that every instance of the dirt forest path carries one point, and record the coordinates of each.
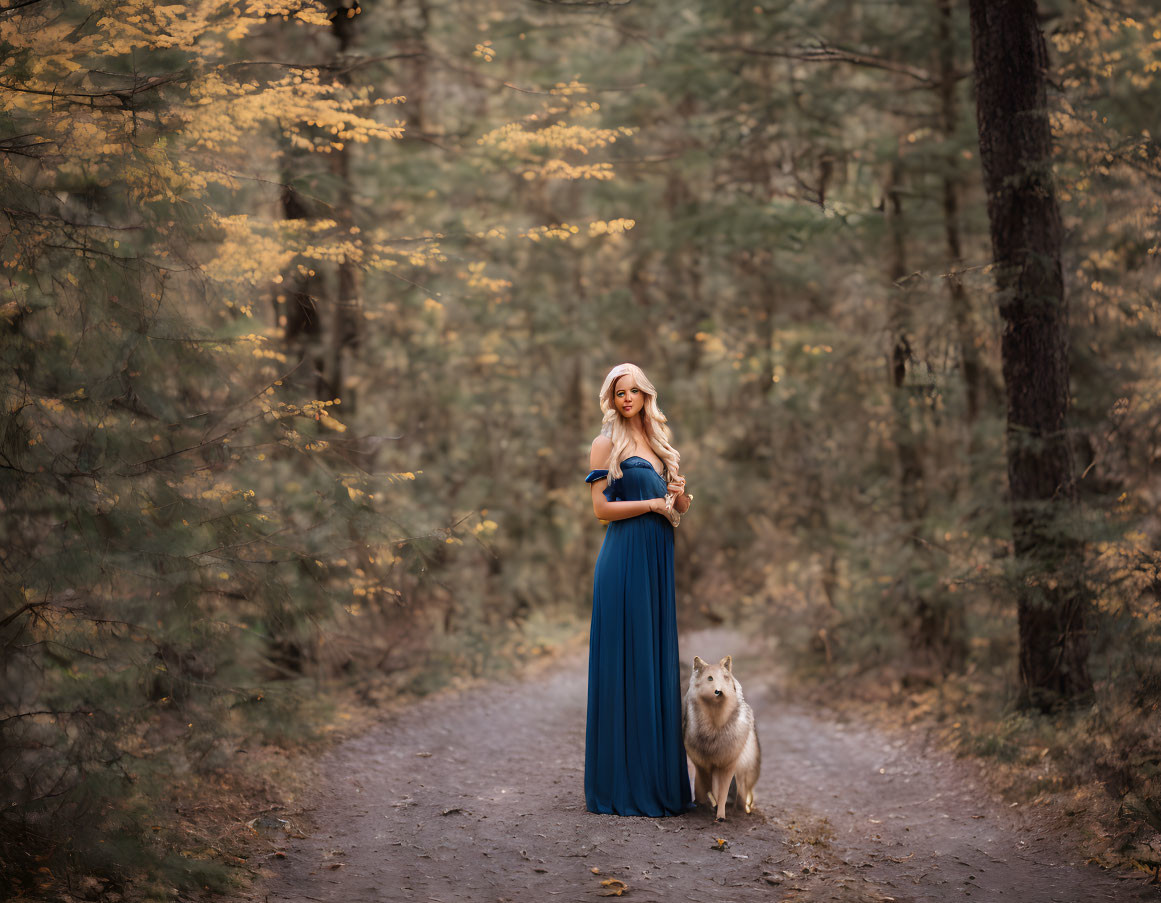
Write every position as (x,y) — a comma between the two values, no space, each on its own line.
(479,797)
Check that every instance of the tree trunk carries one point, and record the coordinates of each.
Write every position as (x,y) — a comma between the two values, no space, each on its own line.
(934,626)
(348,320)
(912,500)
(296,302)
(1010,59)
(973,373)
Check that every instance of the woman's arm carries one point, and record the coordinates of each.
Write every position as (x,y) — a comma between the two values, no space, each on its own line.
(602,507)
(681,500)
(606,510)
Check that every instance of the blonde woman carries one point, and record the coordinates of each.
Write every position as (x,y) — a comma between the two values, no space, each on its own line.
(634,752)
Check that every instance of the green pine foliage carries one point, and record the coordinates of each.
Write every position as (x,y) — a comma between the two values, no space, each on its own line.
(222,500)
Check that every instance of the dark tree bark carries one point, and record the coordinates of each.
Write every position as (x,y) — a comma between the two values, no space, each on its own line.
(348,314)
(934,626)
(973,371)
(912,498)
(1011,60)
(296,303)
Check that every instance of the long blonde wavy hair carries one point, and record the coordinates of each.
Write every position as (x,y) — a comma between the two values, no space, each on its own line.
(614,426)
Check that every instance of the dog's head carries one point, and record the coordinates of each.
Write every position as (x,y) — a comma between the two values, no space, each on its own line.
(713,683)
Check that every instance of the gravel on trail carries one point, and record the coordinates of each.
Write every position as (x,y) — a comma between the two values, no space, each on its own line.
(479,796)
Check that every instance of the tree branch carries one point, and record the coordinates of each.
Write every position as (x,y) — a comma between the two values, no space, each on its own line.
(20,4)
(824,53)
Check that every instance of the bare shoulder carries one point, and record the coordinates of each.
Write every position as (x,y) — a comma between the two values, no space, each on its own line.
(599,456)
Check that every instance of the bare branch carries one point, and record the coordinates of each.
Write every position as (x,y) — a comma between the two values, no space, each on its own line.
(20,4)
(824,53)
(586,5)
(12,617)
(44,712)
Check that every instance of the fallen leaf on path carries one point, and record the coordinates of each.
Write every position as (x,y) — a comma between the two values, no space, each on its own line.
(451,810)
(720,843)
(595,870)
(423,755)
(615,886)
(902,858)
(336,865)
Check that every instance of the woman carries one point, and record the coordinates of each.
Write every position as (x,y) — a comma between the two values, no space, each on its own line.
(634,752)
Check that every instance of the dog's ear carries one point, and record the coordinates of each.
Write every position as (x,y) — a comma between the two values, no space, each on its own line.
(698,664)
(726,662)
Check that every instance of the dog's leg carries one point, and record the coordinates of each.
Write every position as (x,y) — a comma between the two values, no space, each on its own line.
(745,798)
(701,785)
(721,790)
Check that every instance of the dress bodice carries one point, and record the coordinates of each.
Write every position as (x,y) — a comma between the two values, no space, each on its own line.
(639,480)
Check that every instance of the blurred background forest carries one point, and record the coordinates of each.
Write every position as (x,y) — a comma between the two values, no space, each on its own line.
(305,309)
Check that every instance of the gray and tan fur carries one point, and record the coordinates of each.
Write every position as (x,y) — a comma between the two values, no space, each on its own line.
(720,737)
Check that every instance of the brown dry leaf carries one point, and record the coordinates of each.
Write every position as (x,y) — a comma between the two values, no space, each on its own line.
(615,886)
(720,843)
(595,870)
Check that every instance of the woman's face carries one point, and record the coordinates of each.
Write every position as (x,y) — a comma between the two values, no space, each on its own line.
(628,398)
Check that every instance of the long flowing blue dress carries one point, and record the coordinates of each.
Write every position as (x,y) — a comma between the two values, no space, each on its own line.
(634,752)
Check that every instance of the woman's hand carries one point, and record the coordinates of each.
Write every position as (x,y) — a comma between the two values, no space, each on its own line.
(676,486)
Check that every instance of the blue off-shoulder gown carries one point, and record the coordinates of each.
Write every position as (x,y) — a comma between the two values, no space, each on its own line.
(634,752)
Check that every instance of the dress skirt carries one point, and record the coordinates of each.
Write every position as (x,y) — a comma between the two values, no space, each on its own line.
(634,752)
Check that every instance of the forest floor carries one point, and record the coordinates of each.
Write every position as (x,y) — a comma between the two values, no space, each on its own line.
(477,795)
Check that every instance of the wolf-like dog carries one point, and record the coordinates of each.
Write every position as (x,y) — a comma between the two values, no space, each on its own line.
(720,737)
